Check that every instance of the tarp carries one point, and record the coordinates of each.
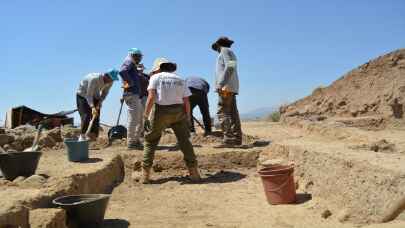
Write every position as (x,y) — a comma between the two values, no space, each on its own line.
(24,115)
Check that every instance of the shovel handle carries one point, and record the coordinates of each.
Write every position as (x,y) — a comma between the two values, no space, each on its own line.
(90,126)
(119,114)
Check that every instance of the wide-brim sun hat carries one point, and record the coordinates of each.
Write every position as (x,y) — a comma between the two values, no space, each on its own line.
(222,41)
(113,74)
(159,62)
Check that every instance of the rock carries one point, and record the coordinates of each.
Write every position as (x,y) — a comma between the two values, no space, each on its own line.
(48,218)
(137,165)
(34,181)
(157,168)
(47,142)
(70,132)
(17,146)
(13,215)
(6,139)
(6,147)
(326,214)
(382,146)
(55,134)
(26,140)
(4,181)
(19,179)
(343,215)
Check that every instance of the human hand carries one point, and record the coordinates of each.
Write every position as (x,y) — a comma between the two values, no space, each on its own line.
(94,112)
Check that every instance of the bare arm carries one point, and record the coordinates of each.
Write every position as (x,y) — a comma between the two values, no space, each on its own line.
(150,102)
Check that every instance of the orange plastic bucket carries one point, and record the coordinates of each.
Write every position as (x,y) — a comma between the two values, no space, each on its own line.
(278,184)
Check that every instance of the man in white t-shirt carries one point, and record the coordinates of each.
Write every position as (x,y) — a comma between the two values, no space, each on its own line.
(168,94)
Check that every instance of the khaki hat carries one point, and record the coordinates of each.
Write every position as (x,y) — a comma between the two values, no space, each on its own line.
(159,62)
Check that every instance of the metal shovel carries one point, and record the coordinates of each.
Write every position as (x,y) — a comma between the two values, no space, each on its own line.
(35,146)
(90,126)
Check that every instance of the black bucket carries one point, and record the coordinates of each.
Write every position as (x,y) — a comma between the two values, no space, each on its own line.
(85,210)
(14,164)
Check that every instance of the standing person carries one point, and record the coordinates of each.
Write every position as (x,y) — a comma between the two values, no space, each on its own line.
(168,95)
(93,89)
(131,85)
(227,87)
(199,89)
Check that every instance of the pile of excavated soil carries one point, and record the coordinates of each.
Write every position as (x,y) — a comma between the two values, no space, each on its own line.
(22,137)
(376,88)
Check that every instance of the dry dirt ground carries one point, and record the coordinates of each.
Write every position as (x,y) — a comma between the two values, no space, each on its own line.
(231,193)
(227,197)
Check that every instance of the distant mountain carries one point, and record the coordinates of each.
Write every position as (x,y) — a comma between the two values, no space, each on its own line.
(258,113)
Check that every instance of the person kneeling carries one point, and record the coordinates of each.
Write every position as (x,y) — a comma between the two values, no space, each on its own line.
(168,96)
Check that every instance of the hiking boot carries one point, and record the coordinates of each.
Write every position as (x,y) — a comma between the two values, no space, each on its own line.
(135,146)
(145,175)
(194,173)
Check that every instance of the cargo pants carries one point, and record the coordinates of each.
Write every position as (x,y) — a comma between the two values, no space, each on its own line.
(168,116)
(135,125)
(228,116)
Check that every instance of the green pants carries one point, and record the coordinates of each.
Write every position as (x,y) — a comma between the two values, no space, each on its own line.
(163,117)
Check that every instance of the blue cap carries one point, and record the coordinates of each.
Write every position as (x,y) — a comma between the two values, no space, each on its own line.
(113,73)
(134,51)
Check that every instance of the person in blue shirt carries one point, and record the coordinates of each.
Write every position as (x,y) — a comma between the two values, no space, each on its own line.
(131,85)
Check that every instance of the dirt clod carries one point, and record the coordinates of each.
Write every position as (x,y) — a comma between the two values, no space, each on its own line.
(326,214)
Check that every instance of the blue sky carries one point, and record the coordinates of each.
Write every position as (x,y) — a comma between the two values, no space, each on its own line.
(285,48)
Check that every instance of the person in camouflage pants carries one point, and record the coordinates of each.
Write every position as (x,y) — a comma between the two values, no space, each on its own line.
(168,97)
(227,87)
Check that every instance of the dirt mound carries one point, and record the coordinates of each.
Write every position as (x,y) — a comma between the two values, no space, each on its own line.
(376,88)
(22,137)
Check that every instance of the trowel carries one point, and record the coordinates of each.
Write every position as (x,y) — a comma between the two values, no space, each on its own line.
(35,146)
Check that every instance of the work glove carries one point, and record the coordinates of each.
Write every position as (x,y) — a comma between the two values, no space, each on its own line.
(94,112)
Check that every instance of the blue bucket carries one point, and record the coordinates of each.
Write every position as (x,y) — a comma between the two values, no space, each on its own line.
(77,150)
